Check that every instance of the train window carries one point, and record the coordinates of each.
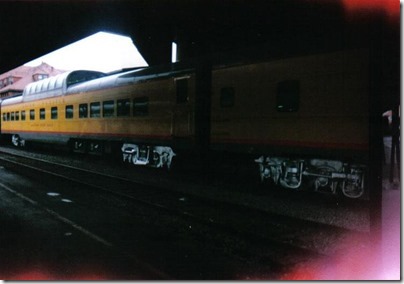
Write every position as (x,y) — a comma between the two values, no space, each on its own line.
(288,96)
(141,106)
(28,89)
(42,113)
(227,97)
(83,110)
(52,82)
(4,116)
(123,107)
(108,108)
(8,116)
(17,115)
(182,91)
(32,114)
(45,85)
(37,87)
(69,111)
(54,113)
(95,109)
(23,115)
(59,82)
(12,116)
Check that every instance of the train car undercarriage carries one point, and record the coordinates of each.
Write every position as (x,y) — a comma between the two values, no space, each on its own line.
(152,156)
(324,175)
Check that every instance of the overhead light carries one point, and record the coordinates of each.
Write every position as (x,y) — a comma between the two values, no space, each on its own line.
(173,52)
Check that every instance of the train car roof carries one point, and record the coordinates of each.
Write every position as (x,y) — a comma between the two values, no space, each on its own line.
(96,84)
(126,78)
(57,85)
(11,100)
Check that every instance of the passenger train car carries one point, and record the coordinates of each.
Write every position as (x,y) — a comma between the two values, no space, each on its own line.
(303,120)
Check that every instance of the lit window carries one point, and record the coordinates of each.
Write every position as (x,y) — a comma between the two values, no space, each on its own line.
(108,108)
(32,114)
(38,77)
(54,113)
(59,82)
(42,113)
(69,111)
(52,83)
(95,109)
(83,110)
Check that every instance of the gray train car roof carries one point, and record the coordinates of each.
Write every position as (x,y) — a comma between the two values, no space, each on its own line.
(11,101)
(53,86)
(126,78)
(81,81)
(57,85)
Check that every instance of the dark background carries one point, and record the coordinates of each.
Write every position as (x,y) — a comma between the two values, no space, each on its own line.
(260,28)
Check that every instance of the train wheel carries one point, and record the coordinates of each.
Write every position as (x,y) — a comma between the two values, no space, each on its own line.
(352,190)
(17,141)
(134,158)
(354,186)
(167,165)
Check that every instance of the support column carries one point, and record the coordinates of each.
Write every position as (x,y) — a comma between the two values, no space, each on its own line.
(203,93)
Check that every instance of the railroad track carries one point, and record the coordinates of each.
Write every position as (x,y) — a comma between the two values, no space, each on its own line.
(261,238)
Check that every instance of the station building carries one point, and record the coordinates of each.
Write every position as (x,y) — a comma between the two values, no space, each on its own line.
(14,81)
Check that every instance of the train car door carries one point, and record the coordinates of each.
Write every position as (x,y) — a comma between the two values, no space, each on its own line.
(182,115)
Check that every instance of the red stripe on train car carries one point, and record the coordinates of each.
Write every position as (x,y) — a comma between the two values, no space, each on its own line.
(95,134)
(294,143)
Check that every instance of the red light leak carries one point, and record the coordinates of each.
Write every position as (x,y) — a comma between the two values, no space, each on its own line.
(358,258)
(41,272)
(358,262)
(355,263)
(390,8)
(38,275)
